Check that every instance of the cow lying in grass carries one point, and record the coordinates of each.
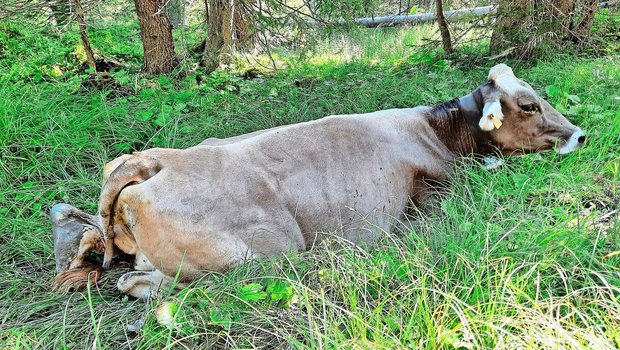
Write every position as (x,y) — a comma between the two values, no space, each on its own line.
(209,207)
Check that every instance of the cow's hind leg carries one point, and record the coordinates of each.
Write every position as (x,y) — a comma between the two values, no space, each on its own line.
(145,284)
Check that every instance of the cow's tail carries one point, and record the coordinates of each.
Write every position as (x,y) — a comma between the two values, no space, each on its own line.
(135,169)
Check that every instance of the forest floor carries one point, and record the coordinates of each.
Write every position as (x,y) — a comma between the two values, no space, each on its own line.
(527,256)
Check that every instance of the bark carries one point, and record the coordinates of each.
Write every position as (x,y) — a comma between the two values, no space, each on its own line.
(523,24)
(511,15)
(214,46)
(581,31)
(229,30)
(79,15)
(227,16)
(243,24)
(158,44)
(443,28)
(560,16)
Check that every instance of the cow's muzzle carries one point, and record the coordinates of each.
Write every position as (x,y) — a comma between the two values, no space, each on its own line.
(574,141)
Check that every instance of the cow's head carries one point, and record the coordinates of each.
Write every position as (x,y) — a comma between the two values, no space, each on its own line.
(517,120)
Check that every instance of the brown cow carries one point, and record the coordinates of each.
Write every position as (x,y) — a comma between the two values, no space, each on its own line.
(275,191)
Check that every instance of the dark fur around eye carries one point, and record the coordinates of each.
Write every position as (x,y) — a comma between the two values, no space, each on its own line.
(529,108)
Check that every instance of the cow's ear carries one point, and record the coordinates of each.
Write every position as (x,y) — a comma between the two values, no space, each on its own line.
(492,115)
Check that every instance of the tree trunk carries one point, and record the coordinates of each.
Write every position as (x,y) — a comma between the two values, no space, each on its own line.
(79,15)
(243,22)
(560,20)
(219,46)
(215,36)
(443,28)
(229,29)
(511,17)
(158,44)
(581,31)
(523,24)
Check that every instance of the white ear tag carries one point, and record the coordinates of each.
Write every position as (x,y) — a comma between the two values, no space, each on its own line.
(492,116)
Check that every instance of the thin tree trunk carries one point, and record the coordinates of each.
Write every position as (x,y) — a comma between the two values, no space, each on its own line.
(581,31)
(507,32)
(220,44)
(443,28)
(79,14)
(243,21)
(158,44)
(559,14)
(215,37)
(228,28)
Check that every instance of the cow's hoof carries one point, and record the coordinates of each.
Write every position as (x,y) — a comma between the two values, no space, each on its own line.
(141,284)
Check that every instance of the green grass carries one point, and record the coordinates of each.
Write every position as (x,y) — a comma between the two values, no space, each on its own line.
(518,258)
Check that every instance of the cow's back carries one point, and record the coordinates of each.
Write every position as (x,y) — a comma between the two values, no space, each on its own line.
(273,192)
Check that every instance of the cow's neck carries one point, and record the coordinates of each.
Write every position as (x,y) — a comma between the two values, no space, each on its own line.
(456,125)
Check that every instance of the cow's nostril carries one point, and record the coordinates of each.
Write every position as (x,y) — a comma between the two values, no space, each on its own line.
(581,139)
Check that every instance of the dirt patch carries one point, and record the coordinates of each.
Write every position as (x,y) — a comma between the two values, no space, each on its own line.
(103,65)
(104,82)
(305,83)
(251,74)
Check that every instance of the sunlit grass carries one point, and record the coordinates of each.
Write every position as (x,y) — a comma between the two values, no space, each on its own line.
(386,45)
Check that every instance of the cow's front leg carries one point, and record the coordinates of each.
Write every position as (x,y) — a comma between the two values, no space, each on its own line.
(146,284)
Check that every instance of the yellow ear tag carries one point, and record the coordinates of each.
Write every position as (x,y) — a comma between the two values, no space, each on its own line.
(496,122)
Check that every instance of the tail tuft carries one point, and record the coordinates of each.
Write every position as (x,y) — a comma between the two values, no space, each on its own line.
(132,171)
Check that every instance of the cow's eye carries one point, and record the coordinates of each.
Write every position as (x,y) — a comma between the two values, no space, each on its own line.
(530,108)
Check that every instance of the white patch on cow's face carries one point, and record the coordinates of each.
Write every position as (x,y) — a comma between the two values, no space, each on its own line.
(572,143)
(509,84)
(491,110)
(505,80)
(498,70)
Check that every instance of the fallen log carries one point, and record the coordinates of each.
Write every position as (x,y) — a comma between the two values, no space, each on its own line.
(451,16)
(607,4)
(371,22)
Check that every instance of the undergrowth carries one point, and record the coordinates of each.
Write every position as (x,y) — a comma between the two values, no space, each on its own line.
(523,257)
